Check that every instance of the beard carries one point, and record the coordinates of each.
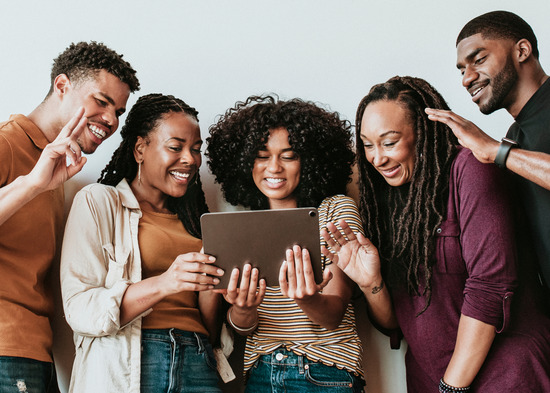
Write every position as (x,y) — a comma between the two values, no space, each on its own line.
(501,85)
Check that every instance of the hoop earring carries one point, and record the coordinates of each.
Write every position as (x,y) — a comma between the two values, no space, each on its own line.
(139,172)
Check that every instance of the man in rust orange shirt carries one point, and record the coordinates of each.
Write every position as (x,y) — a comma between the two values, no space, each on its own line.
(90,85)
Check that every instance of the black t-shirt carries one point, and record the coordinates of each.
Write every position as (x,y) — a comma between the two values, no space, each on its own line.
(532,131)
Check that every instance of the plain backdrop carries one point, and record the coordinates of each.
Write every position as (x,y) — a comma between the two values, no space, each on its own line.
(214,53)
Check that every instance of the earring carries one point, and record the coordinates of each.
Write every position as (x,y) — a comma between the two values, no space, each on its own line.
(139,172)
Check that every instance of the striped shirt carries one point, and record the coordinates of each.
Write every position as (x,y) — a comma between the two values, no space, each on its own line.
(281,322)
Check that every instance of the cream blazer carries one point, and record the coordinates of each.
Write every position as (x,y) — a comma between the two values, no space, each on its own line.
(100,259)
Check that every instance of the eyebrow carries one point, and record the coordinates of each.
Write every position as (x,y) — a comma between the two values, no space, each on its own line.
(383,134)
(469,58)
(182,140)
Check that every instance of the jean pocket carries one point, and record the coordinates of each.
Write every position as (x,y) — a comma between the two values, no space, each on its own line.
(326,376)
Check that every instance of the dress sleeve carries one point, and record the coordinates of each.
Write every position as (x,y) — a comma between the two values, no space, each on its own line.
(487,239)
(93,272)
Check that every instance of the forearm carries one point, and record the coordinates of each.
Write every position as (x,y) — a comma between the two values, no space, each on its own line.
(474,339)
(140,297)
(14,195)
(326,310)
(379,304)
(533,166)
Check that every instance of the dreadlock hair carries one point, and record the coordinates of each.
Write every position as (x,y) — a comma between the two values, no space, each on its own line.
(142,120)
(84,60)
(322,141)
(500,25)
(401,221)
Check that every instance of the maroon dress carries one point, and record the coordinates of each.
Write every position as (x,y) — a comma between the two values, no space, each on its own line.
(477,273)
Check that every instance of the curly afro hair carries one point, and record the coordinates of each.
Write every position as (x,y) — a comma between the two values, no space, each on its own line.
(320,138)
(84,60)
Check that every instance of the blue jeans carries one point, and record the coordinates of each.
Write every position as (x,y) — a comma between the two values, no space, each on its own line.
(283,371)
(26,375)
(175,361)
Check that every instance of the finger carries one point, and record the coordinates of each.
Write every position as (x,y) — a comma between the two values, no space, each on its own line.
(253,283)
(329,255)
(74,169)
(331,242)
(197,257)
(291,269)
(283,282)
(232,286)
(261,292)
(245,281)
(348,232)
(79,129)
(327,276)
(308,277)
(71,125)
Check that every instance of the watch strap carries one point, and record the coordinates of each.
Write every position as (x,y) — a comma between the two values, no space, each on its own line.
(503,150)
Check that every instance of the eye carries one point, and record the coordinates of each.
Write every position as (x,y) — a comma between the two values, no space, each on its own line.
(289,157)
(102,103)
(174,148)
(389,144)
(196,150)
(480,60)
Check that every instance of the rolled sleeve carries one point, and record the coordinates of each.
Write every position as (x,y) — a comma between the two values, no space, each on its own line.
(488,242)
(94,266)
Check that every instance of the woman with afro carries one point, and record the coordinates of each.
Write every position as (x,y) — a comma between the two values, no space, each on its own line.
(268,153)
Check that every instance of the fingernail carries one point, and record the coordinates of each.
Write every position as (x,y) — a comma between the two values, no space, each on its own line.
(219,271)
(216,281)
(211,259)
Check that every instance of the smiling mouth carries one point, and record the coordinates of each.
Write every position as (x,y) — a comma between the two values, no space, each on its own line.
(390,172)
(180,175)
(273,180)
(98,132)
(474,92)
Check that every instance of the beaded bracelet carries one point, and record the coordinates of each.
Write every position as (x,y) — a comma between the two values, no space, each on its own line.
(239,329)
(445,388)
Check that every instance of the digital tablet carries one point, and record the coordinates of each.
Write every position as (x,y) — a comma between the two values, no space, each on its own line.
(261,238)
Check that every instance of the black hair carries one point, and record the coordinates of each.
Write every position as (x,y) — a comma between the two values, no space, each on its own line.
(401,221)
(319,137)
(500,25)
(142,119)
(84,60)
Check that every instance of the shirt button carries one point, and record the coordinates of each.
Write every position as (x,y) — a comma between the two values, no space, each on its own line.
(438,230)
(279,356)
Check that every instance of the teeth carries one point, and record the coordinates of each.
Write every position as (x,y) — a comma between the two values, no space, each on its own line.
(274,180)
(476,91)
(179,175)
(97,131)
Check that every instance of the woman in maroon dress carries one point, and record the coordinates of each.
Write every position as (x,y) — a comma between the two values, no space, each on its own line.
(441,264)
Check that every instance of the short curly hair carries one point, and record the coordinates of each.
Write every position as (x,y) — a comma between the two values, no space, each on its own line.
(322,141)
(84,60)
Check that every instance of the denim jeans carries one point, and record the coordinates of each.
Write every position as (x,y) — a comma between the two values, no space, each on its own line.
(175,361)
(26,375)
(283,371)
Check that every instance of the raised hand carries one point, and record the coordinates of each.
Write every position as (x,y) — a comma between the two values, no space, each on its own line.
(355,255)
(469,135)
(52,169)
(251,291)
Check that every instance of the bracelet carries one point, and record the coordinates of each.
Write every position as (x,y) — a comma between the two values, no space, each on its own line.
(503,150)
(445,388)
(239,329)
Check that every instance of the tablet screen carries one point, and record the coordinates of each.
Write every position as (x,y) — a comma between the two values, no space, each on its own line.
(261,238)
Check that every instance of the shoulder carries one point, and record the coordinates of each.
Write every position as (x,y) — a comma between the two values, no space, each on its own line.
(466,165)
(340,207)
(97,195)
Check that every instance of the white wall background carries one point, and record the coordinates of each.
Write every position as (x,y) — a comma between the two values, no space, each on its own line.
(213,53)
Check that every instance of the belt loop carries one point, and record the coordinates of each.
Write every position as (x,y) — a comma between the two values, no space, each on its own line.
(199,343)
(300,364)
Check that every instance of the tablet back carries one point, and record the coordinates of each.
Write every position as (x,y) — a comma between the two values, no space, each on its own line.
(261,238)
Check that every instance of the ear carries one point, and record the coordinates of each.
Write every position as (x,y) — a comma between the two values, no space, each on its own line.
(61,84)
(524,50)
(139,148)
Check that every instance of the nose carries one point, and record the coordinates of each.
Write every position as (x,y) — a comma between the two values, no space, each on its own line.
(378,157)
(273,165)
(110,118)
(187,157)
(468,77)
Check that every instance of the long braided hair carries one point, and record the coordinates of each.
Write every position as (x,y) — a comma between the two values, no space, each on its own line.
(140,122)
(402,221)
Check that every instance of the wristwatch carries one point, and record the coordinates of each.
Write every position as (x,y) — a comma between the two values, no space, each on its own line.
(503,150)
